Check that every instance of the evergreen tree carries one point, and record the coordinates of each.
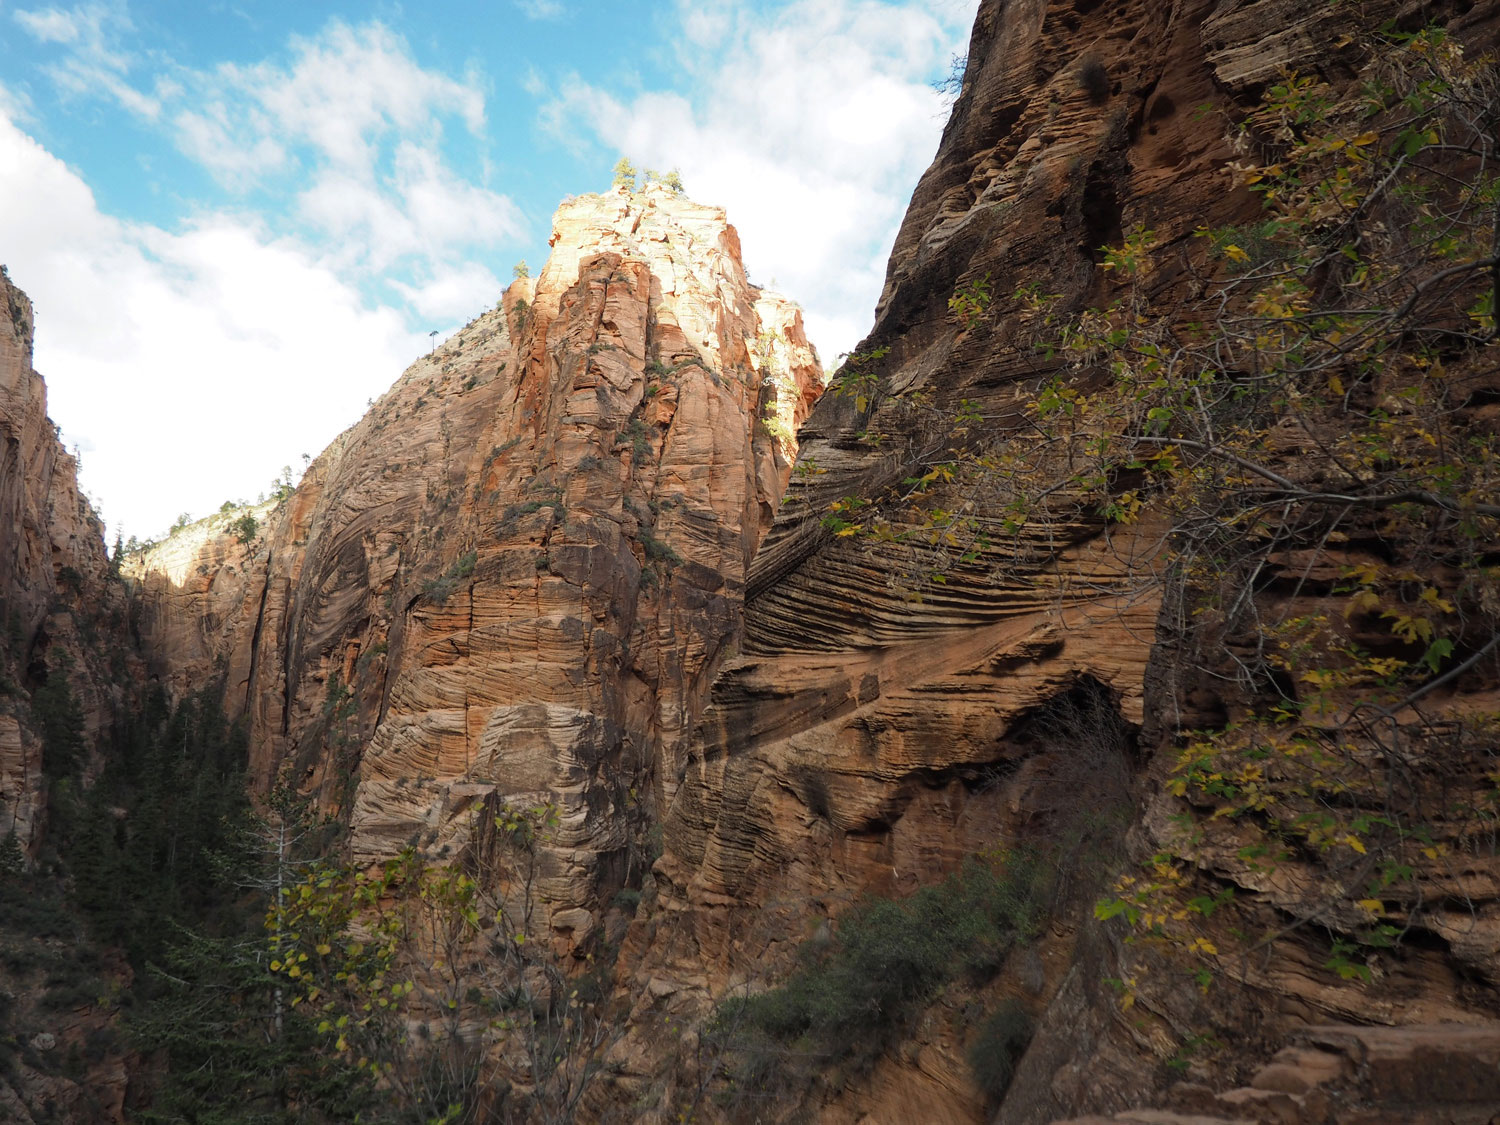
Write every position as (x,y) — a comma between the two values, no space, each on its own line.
(12,858)
(57,713)
(625,174)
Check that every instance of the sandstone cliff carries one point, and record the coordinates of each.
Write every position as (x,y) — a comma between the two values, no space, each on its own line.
(53,572)
(530,576)
(512,580)
(876,726)
(65,632)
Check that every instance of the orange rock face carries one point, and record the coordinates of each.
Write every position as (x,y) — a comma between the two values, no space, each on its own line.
(52,571)
(877,725)
(530,576)
(512,580)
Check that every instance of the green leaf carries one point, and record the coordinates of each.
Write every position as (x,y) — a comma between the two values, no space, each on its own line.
(1437,652)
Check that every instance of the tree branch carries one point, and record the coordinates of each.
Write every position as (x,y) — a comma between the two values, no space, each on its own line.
(1301,495)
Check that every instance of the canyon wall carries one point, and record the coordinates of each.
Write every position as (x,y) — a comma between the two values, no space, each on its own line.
(511,581)
(65,661)
(55,600)
(881,718)
(533,576)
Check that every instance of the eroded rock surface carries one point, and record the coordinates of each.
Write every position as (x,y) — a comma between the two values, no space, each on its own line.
(876,725)
(62,617)
(526,567)
(53,571)
(512,580)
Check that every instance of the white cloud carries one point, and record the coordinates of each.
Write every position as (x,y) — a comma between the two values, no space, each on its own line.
(50,25)
(91,65)
(238,151)
(457,293)
(349,127)
(811,124)
(350,87)
(356,127)
(541,9)
(190,364)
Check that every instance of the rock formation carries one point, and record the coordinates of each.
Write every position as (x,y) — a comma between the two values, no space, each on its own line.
(52,574)
(876,727)
(533,576)
(64,625)
(512,580)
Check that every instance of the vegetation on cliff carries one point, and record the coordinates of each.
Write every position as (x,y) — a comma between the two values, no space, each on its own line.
(1305,437)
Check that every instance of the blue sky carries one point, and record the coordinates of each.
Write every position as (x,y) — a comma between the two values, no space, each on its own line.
(239,222)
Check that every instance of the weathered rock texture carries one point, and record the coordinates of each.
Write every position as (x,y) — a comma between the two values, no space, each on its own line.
(53,573)
(61,616)
(864,740)
(527,564)
(512,580)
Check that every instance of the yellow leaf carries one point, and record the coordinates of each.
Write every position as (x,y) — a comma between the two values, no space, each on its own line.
(1373,905)
(1353,842)
(1366,138)
(1235,254)
(324,948)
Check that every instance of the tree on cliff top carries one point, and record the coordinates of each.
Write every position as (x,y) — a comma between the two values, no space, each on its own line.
(625,174)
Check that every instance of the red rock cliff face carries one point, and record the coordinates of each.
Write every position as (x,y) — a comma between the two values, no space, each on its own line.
(526,564)
(52,572)
(61,616)
(512,581)
(864,739)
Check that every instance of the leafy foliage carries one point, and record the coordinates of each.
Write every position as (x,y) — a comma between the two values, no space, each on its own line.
(245,528)
(427,980)
(1291,440)
(970,301)
(441,588)
(854,993)
(1002,1040)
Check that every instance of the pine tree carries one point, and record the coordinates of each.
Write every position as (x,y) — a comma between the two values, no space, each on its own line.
(12,858)
(625,174)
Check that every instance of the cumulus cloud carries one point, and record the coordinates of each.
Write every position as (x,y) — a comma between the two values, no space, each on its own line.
(454,294)
(343,93)
(348,126)
(230,351)
(810,123)
(226,321)
(361,124)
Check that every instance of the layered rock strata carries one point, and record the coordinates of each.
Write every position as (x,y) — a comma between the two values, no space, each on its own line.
(534,611)
(53,576)
(877,725)
(512,580)
(62,617)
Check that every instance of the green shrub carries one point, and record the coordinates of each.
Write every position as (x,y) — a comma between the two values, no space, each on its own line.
(889,957)
(657,551)
(640,441)
(998,1048)
(57,713)
(1093,79)
(12,859)
(440,589)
